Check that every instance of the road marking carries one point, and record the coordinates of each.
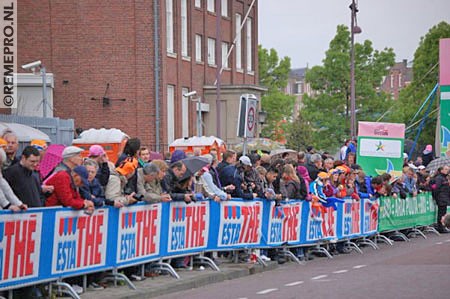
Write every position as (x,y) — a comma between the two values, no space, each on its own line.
(359,266)
(319,277)
(340,271)
(295,283)
(439,243)
(263,292)
(446,241)
(243,298)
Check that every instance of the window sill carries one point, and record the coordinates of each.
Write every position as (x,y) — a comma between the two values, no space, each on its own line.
(240,71)
(199,62)
(251,73)
(212,65)
(172,55)
(186,58)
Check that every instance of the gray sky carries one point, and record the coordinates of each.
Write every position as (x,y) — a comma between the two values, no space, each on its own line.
(303,29)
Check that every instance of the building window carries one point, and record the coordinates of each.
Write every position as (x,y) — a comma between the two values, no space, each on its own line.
(211,51)
(170,114)
(400,80)
(211,6)
(198,3)
(184,29)
(224,55)
(169,26)
(224,6)
(184,113)
(249,46)
(238,44)
(198,48)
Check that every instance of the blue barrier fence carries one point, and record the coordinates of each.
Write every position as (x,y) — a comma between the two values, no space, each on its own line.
(46,244)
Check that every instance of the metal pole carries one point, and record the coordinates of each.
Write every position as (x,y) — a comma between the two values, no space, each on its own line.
(44,91)
(352,74)
(199,117)
(156,74)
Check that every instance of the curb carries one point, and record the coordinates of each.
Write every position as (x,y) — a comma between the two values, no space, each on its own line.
(163,285)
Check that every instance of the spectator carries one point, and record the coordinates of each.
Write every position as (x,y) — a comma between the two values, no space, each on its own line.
(149,183)
(116,189)
(23,182)
(130,150)
(265,161)
(256,159)
(314,166)
(209,189)
(66,191)
(143,156)
(427,155)
(328,164)
(291,185)
(343,150)
(441,195)
(171,182)
(398,188)
(98,154)
(8,200)
(351,159)
(410,181)
(93,191)
(177,155)
(3,144)
(229,157)
(235,175)
(270,192)
(363,184)
(12,145)
(423,179)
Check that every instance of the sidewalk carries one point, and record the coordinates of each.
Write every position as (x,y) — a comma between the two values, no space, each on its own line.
(165,284)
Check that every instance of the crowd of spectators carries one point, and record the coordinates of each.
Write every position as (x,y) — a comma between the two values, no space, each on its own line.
(88,183)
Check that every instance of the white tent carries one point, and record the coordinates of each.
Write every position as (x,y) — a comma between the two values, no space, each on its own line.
(101,136)
(24,133)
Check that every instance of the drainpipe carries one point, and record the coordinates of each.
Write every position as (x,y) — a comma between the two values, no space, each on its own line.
(156,72)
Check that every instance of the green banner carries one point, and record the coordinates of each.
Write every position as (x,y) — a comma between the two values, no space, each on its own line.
(396,213)
(445,119)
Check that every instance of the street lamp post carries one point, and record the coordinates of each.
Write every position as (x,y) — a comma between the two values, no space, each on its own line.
(262,115)
(355,29)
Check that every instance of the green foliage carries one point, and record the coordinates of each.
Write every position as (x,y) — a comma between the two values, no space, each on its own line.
(426,71)
(273,74)
(299,134)
(326,111)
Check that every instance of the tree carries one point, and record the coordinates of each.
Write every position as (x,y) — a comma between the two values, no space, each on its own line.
(327,111)
(426,71)
(273,74)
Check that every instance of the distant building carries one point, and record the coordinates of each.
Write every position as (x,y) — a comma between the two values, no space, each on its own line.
(149,52)
(400,76)
(298,87)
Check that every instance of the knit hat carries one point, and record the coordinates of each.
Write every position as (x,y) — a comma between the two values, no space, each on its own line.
(127,167)
(323,175)
(41,145)
(71,151)
(96,151)
(177,155)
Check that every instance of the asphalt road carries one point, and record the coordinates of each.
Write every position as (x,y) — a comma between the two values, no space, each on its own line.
(416,269)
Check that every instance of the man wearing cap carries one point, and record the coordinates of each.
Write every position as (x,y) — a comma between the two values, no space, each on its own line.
(423,179)
(67,177)
(98,154)
(23,181)
(149,183)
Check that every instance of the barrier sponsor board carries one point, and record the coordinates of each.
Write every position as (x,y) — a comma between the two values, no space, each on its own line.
(188,226)
(370,216)
(351,218)
(285,221)
(321,223)
(139,232)
(240,223)
(79,241)
(20,246)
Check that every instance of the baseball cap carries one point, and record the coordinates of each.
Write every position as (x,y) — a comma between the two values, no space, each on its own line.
(420,167)
(83,173)
(245,160)
(96,151)
(71,151)
(39,144)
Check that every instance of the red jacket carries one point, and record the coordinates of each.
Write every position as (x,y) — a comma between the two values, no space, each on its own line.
(63,194)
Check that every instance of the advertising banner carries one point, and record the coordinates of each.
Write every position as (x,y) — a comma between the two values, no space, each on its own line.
(369,216)
(240,224)
(139,233)
(349,217)
(320,222)
(188,226)
(396,213)
(380,148)
(285,222)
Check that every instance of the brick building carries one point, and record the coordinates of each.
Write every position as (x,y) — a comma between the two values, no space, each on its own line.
(298,87)
(400,75)
(89,44)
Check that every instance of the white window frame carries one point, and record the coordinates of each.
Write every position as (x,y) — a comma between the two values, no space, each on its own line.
(249,45)
(170,113)
(198,48)
(169,26)
(211,51)
(225,48)
(198,3)
(238,44)
(184,29)
(211,6)
(392,81)
(224,8)
(184,112)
